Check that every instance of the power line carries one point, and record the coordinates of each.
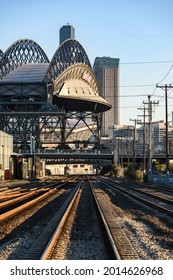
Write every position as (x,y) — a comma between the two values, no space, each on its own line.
(166,75)
(147,62)
(151,85)
(133,95)
(163,79)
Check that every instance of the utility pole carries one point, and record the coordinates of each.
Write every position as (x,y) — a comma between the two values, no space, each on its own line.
(166,88)
(121,149)
(118,148)
(150,105)
(150,135)
(128,137)
(134,140)
(144,137)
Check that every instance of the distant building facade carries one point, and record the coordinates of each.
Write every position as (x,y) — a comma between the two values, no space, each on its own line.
(121,139)
(106,70)
(66,32)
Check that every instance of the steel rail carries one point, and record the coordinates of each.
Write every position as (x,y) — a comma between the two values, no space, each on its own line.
(61,215)
(11,213)
(100,207)
(22,197)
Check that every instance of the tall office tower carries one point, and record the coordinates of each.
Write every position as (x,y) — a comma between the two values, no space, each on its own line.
(106,70)
(66,32)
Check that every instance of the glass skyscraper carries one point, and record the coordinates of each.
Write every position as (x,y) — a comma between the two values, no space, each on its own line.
(106,70)
(66,32)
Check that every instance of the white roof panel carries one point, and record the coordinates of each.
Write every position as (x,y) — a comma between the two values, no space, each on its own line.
(27,73)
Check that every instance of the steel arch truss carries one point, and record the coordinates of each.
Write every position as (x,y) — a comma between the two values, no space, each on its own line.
(21,52)
(1,54)
(69,53)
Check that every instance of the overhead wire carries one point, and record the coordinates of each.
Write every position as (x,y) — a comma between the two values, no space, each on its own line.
(161,99)
(146,62)
(159,83)
(166,74)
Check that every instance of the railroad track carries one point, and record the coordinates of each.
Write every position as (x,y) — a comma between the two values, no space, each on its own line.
(149,229)
(42,246)
(152,199)
(121,245)
(18,233)
(45,247)
(56,225)
(131,183)
(12,207)
(85,225)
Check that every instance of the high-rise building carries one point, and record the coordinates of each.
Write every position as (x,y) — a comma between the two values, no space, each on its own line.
(106,70)
(66,32)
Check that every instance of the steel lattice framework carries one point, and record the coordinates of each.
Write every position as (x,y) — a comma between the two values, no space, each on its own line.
(69,53)
(35,115)
(1,54)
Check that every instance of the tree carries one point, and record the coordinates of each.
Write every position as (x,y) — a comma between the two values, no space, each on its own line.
(116,169)
(133,172)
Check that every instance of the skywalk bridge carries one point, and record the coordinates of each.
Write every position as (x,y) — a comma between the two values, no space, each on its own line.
(71,157)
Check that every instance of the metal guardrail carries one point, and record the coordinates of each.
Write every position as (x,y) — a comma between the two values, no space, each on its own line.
(162,179)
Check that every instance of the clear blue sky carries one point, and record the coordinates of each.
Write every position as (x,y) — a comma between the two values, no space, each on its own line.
(139,32)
